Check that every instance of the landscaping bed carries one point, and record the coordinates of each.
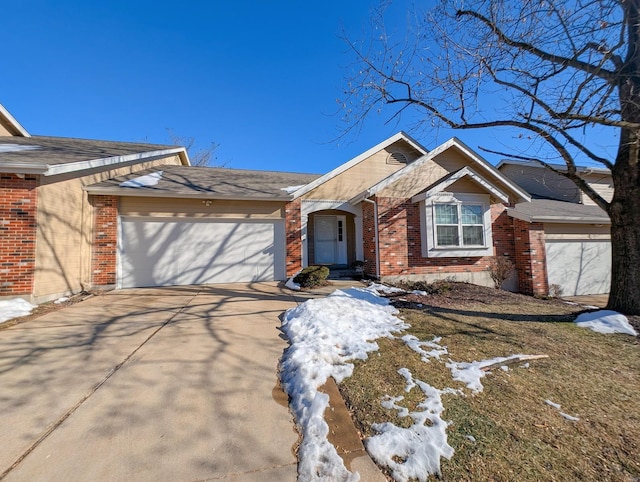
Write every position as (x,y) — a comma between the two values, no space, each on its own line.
(572,416)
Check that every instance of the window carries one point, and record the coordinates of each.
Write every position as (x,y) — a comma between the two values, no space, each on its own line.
(456,225)
(459,225)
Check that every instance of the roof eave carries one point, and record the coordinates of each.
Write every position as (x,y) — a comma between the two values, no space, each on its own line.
(55,169)
(139,192)
(23,168)
(532,218)
(15,127)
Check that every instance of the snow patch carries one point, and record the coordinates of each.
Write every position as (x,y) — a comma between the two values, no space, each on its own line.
(61,300)
(605,321)
(570,417)
(292,189)
(553,404)
(144,181)
(292,285)
(14,308)
(414,452)
(416,345)
(384,289)
(325,335)
(471,373)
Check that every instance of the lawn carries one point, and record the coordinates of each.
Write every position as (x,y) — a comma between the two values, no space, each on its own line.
(507,432)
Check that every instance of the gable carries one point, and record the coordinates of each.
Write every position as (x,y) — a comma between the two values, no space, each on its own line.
(446,160)
(9,126)
(366,172)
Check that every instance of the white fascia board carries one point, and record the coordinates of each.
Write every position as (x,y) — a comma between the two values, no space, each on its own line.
(465,171)
(482,162)
(23,168)
(358,159)
(14,123)
(139,192)
(55,169)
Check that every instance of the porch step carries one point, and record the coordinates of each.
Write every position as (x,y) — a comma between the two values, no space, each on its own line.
(341,273)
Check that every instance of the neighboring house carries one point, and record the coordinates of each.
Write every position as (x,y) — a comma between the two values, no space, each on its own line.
(49,245)
(569,233)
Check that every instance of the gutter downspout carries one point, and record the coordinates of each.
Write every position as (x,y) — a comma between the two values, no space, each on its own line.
(375,229)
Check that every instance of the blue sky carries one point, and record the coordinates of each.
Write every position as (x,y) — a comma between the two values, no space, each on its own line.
(258,78)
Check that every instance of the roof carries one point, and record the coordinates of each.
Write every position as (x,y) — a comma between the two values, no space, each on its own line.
(209,183)
(558,167)
(552,211)
(454,142)
(358,159)
(59,155)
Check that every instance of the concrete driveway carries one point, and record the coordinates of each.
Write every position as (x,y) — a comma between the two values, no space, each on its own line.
(149,384)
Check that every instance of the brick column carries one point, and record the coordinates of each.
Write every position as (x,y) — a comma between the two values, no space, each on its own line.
(530,256)
(369,238)
(18,224)
(293,229)
(105,240)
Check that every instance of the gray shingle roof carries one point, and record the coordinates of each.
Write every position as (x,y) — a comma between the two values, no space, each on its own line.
(56,151)
(209,182)
(548,210)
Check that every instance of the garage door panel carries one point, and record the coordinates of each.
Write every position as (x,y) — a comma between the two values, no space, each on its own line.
(579,267)
(163,253)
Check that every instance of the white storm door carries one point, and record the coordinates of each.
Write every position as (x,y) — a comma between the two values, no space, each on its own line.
(330,240)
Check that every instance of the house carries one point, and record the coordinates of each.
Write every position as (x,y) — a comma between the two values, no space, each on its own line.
(78,214)
(406,212)
(569,233)
(49,245)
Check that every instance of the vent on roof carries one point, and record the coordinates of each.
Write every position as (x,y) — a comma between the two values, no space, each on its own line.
(397,158)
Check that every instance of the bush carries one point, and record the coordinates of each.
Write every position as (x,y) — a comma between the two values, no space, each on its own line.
(312,276)
(438,287)
(500,270)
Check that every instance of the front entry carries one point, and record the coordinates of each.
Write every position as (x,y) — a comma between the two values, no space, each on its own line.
(330,240)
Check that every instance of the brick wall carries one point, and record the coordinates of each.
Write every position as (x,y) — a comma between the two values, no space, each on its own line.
(18,218)
(293,227)
(105,240)
(530,258)
(401,245)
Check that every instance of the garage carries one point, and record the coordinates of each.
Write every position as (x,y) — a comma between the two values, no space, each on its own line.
(579,267)
(168,252)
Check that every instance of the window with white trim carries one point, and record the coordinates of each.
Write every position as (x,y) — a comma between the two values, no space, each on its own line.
(456,225)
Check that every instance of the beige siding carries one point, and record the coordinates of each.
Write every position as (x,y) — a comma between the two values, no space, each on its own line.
(3,131)
(422,177)
(65,220)
(576,231)
(363,175)
(602,184)
(196,208)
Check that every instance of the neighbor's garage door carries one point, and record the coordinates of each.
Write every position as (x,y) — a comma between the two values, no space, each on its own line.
(579,267)
(157,252)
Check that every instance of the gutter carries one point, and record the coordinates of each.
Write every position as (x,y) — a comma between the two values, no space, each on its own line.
(376,232)
(159,193)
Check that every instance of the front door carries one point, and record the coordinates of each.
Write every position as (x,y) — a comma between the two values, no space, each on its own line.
(330,235)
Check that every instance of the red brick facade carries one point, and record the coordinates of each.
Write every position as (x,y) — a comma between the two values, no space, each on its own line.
(18,223)
(530,257)
(369,238)
(105,240)
(293,228)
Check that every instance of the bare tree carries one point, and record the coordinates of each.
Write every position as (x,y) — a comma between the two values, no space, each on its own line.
(555,70)
(203,157)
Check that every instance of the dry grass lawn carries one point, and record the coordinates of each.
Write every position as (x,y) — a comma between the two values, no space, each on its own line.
(518,437)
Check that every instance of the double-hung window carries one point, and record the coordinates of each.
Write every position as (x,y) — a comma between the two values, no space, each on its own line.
(459,224)
(456,225)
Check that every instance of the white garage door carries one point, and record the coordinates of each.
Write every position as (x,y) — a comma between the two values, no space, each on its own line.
(160,252)
(579,267)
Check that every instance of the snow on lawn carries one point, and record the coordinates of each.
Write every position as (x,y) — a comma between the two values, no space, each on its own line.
(325,334)
(14,308)
(605,321)
(420,446)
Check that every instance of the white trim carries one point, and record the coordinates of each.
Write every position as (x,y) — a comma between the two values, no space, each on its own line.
(358,159)
(108,161)
(428,231)
(465,171)
(140,192)
(13,122)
